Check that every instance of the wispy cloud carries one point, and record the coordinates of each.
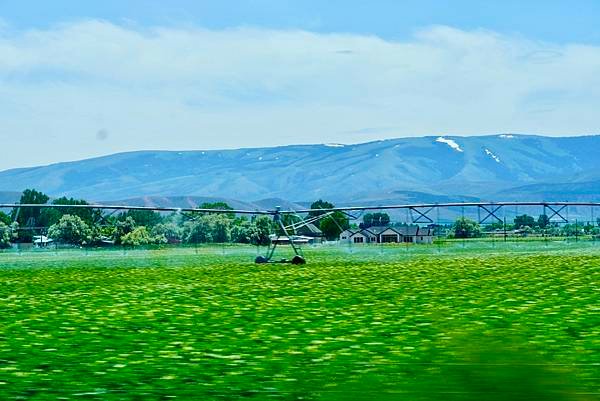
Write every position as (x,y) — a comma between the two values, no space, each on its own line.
(191,88)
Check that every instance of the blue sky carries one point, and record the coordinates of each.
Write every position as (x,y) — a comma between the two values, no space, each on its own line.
(550,20)
(85,78)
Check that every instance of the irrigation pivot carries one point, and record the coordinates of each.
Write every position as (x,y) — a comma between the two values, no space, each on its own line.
(421,214)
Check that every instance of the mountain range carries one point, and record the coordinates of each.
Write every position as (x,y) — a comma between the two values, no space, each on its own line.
(423,169)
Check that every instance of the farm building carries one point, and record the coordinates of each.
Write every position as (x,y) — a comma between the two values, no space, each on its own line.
(387,234)
(312,231)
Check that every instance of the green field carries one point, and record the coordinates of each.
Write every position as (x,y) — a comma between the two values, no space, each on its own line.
(459,321)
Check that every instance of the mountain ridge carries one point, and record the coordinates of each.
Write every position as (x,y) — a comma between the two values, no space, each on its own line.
(438,167)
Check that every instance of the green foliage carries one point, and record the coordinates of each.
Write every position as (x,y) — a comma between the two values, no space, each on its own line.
(333,225)
(524,221)
(243,232)
(466,228)
(30,217)
(8,233)
(4,218)
(147,218)
(51,216)
(170,231)
(375,219)
(543,221)
(263,228)
(320,204)
(219,206)
(288,220)
(122,228)
(208,228)
(140,236)
(71,230)
(221,226)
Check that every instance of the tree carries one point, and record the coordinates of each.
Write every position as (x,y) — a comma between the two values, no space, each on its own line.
(333,225)
(381,219)
(524,221)
(221,226)
(209,228)
(242,232)
(197,231)
(146,218)
(70,230)
(29,217)
(466,228)
(170,231)
(288,220)
(367,220)
(320,204)
(7,234)
(543,221)
(51,215)
(263,227)
(375,219)
(123,228)
(4,218)
(218,206)
(141,236)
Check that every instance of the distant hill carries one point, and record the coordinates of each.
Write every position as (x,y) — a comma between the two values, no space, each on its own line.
(426,169)
(195,201)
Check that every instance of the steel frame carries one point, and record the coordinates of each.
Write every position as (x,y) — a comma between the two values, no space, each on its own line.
(422,211)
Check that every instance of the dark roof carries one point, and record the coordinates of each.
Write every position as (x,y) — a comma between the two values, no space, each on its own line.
(309,229)
(407,230)
(377,229)
(426,231)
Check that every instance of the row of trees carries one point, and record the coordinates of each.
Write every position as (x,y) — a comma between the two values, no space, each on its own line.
(525,225)
(85,226)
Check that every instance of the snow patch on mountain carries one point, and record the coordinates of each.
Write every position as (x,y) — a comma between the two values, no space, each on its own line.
(492,155)
(449,142)
(506,136)
(334,145)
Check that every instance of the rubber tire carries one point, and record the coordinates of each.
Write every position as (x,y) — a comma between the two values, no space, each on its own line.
(260,260)
(298,260)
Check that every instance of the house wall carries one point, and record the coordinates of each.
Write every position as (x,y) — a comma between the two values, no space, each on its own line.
(345,237)
(365,239)
(389,234)
(424,239)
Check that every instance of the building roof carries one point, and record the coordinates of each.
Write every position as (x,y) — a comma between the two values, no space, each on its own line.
(377,229)
(426,231)
(406,231)
(310,229)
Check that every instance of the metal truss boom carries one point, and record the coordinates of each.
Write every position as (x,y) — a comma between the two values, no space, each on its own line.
(422,210)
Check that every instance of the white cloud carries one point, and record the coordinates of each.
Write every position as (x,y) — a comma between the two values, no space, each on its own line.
(194,88)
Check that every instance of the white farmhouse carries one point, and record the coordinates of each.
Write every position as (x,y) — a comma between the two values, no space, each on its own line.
(388,234)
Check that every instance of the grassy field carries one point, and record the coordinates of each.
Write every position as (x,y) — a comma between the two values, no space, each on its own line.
(456,321)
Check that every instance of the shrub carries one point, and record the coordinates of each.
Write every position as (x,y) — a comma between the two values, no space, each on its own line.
(7,234)
(141,236)
(70,230)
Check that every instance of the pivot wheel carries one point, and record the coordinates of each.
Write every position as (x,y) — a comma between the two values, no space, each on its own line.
(298,260)
(260,260)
